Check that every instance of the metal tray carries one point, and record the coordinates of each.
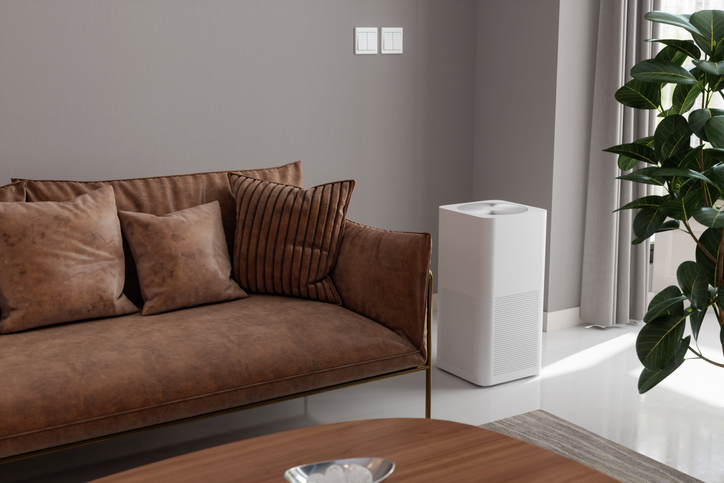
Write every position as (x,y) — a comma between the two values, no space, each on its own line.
(380,468)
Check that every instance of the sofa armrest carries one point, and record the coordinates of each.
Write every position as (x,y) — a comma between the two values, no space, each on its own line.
(383,275)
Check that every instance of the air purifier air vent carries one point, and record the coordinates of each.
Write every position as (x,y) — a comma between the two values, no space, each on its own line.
(516,332)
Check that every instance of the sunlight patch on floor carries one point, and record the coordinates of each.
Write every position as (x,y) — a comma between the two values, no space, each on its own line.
(588,358)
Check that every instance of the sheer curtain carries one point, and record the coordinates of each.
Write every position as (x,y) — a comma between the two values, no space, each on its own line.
(615,273)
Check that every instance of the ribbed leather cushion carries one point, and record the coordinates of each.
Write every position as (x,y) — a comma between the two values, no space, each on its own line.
(287,239)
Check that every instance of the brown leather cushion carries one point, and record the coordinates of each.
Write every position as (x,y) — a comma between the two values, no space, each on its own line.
(13,192)
(181,258)
(165,194)
(61,261)
(287,238)
(383,275)
(76,381)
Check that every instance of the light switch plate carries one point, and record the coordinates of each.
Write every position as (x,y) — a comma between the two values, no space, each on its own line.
(391,42)
(365,40)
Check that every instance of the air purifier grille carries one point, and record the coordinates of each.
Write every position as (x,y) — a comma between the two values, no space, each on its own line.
(515,332)
(458,340)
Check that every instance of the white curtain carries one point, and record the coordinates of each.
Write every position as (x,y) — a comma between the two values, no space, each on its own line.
(615,273)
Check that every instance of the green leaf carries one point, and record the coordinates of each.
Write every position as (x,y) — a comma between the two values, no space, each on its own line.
(668,225)
(711,192)
(657,341)
(710,239)
(715,83)
(672,19)
(665,308)
(635,151)
(683,159)
(716,174)
(714,68)
(712,157)
(695,320)
(710,24)
(699,118)
(681,208)
(694,284)
(661,72)
(650,379)
(670,292)
(672,55)
(625,163)
(710,217)
(714,129)
(645,176)
(685,97)
(679,173)
(647,201)
(648,221)
(687,47)
(639,95)
(698,75)
(672,135)
(658,176)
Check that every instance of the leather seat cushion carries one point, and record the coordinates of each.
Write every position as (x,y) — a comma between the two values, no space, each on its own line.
(76,381)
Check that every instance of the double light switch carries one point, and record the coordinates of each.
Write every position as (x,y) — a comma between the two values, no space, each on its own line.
(391,40)
(366,41)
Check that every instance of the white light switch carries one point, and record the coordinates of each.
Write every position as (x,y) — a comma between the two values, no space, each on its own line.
(386,41)
(372,40)
(362,42)
(397,41)
(365,40)
(391,40)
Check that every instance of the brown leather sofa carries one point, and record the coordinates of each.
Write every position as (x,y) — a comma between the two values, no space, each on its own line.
(72,382)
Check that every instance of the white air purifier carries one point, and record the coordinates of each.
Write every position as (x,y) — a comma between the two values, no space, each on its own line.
(490,286)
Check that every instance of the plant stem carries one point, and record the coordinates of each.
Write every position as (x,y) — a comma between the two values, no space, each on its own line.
(705,358)
(699,244)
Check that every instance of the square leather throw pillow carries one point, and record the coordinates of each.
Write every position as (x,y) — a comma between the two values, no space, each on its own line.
(182,258)
(61,262)
(287,238)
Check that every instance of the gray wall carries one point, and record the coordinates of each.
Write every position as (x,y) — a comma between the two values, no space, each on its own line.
(533,108)
(98,89)
(489,100)
(515,104)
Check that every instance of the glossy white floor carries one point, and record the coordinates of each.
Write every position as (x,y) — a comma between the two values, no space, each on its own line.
(589,378)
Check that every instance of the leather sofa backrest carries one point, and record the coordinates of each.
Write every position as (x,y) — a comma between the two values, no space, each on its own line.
(161,195)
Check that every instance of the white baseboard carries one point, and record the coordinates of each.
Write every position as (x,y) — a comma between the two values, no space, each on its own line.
(561,319)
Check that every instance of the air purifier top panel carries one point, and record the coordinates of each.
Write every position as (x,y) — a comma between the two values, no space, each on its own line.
(491,209)
(488,208)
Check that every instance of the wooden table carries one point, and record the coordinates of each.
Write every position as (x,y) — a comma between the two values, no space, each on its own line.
(422,449)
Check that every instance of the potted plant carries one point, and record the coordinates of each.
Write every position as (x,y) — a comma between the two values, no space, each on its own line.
(691,177)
